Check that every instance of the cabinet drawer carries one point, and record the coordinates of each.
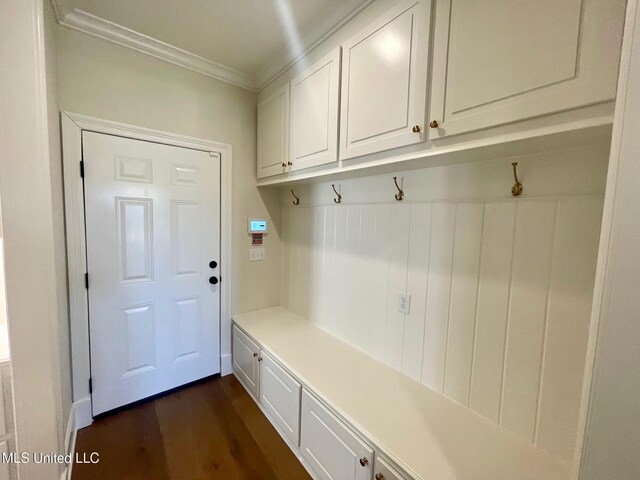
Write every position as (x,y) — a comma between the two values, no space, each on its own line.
(280,397)
(245,360)
(384,471)
(329,447)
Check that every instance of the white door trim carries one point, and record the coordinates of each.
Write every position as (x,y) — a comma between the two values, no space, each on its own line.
(72,126)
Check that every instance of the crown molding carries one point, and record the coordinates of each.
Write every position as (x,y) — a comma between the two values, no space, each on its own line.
(98,27)
(278,64)
(85,22)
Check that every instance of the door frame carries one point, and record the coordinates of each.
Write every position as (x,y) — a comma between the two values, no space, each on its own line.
(73,125)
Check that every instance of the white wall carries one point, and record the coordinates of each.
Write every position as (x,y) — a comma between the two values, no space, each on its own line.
(30,161)
(501,287)
(612,441)
(107,81)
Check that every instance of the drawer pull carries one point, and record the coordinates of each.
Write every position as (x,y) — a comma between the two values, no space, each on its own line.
(364,461)
(379,476)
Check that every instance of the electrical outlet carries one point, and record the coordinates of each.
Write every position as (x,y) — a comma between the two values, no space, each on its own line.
(404,302)
(257,254)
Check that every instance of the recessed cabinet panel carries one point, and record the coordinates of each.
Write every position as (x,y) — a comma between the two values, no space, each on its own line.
(314,114)
(245,361)
(280,397)
(273,133)
(500,62)
(329,447)
(384,471)
(384,72)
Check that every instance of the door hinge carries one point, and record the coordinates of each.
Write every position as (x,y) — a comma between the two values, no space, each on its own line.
(82,168)
(86,281)
(90,385)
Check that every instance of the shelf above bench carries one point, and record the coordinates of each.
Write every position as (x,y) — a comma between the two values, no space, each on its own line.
(428,435)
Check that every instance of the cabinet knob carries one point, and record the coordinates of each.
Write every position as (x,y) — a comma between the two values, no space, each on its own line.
(416,129)
(259,359)
(379,476)
(434,124)
(255,354)
(289,163)
(284,165)
(364,461)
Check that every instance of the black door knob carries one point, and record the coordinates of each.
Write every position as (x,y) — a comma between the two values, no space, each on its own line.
(213,264)
(213,280)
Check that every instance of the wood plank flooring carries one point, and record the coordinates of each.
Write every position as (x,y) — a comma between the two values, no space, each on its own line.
(212,430)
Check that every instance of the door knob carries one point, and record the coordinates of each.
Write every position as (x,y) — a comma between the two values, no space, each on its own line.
(213,264)
(364,461)
(434,124)
(213,280)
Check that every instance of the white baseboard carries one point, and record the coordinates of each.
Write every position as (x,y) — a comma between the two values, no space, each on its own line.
(82,412)
(70,443)
(226,367)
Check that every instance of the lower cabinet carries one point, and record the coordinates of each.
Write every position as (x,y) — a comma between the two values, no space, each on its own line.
(280,398)
(383,471)
(245,360)
(329,447)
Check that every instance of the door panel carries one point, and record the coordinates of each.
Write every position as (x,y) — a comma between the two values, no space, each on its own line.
(331,449)
(280,397)
(492,65)
(314,113)
(273,133)
(153,226)
(384,75)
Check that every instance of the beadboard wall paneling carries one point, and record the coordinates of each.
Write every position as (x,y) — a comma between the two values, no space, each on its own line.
(500,298)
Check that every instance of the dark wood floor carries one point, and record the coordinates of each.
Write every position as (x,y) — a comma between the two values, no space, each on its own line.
(212,430)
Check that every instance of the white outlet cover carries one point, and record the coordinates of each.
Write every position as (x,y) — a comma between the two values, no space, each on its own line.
(404,302)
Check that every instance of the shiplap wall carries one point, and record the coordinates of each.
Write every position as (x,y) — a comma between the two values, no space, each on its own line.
(500,287)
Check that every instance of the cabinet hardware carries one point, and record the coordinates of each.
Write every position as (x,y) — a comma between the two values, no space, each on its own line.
(379,476)
(297,200)
(400,195)
(517,188)
(255,354)
(259,359)
(364,461)
(284,165)
(289,163)
(339,199)
(416,129)
(434,124)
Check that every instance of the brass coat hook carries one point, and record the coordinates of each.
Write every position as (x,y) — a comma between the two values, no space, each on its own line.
(400,195)
(297,200)
(339,199)
(517,188)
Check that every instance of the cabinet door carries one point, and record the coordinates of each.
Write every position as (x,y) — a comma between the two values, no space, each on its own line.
(245,360)
(500,62)
(273,133)
(280,397)
(384,76)
(329,447)
(314,114)
(384,471)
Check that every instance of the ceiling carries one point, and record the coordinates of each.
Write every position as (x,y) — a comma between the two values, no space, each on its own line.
(253,40)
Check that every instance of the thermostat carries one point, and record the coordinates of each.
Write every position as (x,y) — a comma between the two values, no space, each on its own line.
(258,226)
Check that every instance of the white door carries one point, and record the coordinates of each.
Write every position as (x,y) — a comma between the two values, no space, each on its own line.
(329,447)
(153,227)
(245,361)
(384,82)
(314,113)
(500,62)
(273,133)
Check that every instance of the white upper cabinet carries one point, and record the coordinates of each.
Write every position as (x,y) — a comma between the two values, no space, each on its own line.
(314,114)
(384,77)
(500,62)
(273,133)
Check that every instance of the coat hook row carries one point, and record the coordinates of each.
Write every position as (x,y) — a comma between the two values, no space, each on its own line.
(339,199)
(297,200)
(517,188)
(400,195)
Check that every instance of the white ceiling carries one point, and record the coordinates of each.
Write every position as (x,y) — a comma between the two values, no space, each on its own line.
(252,37)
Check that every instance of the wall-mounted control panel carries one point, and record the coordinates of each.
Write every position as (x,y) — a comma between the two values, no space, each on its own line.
(258,226)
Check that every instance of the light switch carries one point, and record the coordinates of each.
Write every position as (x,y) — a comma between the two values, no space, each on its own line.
(257,254)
